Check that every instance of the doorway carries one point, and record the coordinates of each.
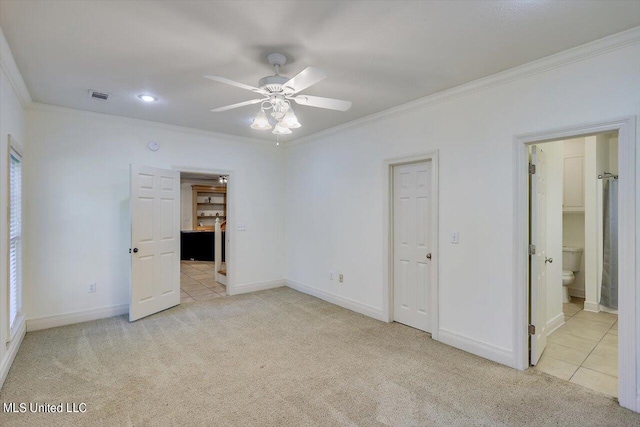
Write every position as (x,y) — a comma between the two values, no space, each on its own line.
(573,265)
(203,224)
(528,314)
(413,242)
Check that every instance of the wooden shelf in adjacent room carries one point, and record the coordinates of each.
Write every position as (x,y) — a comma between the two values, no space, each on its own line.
(204,199)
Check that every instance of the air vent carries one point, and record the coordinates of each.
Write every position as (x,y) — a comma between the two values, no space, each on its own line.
(98,95)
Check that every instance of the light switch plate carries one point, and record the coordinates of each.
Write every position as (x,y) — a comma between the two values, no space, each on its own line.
(241,227)
(455,237)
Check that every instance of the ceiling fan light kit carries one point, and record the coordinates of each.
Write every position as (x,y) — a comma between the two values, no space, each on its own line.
(261,122)
(277,93)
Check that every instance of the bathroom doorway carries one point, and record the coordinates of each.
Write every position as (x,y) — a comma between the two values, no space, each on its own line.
(573,280)
(203,225)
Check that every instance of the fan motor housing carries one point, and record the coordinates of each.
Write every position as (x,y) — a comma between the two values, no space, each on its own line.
(273,84)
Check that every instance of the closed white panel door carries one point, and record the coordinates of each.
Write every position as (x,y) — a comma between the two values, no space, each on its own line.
(412,241)
(538,260)
(155,241)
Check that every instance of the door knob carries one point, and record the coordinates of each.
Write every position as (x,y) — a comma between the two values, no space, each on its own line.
(429,255)
(135,250)
(548,260)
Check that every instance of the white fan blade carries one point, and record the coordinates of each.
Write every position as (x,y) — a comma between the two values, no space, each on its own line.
(236,84)
(238,105)
(305,78)
(320,102)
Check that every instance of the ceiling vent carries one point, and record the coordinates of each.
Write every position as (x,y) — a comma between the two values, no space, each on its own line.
(98,95)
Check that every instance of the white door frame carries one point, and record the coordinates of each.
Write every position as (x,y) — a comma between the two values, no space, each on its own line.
(387,222)
(231,201)
(628,222)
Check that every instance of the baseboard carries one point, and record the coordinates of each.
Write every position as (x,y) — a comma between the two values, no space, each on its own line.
(47,322)
(343,302)
(477,347)
(608,310)
(578,293)
(591,306)
(253,287)
(10,356)
(555,323)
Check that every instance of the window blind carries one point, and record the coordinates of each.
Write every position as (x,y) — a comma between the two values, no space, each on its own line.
(15,238)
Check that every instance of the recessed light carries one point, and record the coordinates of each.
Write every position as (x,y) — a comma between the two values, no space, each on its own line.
(147,98)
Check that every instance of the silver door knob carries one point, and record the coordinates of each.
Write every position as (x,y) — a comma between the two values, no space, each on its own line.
(548,260)
(429,255)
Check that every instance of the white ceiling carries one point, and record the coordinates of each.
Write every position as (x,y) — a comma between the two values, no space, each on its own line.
(377,54)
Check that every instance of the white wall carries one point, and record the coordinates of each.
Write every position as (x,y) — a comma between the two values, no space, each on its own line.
(613,155)
(12,122)
(573,229)
(336,181)
(573,235)
(555,172)
(590,254)
(77,191)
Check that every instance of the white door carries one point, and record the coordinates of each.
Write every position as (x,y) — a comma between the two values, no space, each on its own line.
(412,244)
(155,241)
(538,260)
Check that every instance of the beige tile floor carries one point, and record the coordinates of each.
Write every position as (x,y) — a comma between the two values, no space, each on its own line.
(584,350)
(197,282)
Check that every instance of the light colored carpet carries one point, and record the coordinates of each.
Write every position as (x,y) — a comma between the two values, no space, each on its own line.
(277,358)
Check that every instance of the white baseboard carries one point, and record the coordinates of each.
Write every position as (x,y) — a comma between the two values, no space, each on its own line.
(555,323)
(578,293)
(608,310)
(343,302)
(221,278)
(253,287)
(591,306)
(10,355)
(47,322)
(477,347)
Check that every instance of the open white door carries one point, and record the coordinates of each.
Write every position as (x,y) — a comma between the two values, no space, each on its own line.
(538,258)
(155,243)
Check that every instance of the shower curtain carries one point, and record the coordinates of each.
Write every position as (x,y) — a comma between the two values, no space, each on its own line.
(609,295)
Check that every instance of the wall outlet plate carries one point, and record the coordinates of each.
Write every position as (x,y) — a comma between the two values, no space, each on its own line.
(92,287)
(241,227)
(331,274)
(455,237)
(340,278)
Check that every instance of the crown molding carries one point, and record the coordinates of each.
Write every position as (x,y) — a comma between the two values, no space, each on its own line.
(10,68)
(579,53)
(50,108)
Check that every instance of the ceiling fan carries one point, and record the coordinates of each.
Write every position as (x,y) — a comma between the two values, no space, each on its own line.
(277,93)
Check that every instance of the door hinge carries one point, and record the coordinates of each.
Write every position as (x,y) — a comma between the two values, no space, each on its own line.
(532,169)
(532,249)
(532,329)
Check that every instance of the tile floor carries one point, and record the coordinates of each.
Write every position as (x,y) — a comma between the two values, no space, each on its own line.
(584,350)
(197,282)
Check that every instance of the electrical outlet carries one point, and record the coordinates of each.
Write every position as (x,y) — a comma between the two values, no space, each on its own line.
(331,275)
(341,278)
(455,237)
(92,287)
(241,227)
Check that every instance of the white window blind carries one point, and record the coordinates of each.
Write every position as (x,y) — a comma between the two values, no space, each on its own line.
(15,238)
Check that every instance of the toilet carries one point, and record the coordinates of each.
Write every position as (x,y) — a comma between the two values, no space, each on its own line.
(571,259)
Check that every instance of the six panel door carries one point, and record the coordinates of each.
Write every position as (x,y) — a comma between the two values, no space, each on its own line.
(412,244)
(155,240)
